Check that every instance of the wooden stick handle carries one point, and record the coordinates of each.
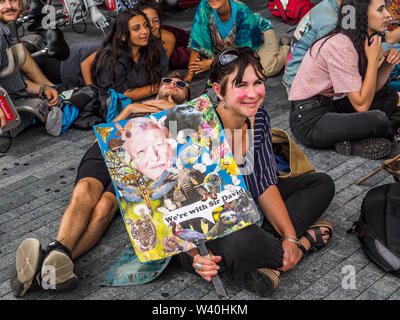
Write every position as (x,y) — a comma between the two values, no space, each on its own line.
(369,175)
(377,170)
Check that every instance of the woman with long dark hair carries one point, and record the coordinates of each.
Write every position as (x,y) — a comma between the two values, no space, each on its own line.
(338,95)
(130,61)
(174,40)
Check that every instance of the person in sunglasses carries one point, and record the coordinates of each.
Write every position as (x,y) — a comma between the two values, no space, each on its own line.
(91,208)
(131,60)
(174,40)
(219,24)
(253,256)
(339,98)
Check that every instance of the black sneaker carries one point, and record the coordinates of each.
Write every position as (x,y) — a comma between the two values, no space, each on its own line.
(370,148)
(262,281)
(58,269)
(25,277)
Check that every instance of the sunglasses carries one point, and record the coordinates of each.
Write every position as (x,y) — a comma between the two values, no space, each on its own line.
(230,55)
(178,83)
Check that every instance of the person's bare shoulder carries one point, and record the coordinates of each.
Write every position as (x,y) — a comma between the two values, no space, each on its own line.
(167,36)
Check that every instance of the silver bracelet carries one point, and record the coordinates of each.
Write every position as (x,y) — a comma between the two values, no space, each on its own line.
(291,239)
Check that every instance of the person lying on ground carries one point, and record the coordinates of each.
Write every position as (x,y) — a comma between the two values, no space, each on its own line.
(91,209)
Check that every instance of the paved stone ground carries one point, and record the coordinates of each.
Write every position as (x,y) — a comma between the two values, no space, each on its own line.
(37,177)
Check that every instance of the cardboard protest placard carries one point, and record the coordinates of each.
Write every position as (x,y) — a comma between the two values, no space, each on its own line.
(175,178)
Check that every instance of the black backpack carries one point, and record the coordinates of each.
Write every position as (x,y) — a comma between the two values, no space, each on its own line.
(378,228)
(93,103)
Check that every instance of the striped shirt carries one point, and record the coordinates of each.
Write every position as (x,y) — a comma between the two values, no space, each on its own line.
(259,169)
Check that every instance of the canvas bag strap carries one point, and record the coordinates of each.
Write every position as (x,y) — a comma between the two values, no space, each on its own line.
(281,10)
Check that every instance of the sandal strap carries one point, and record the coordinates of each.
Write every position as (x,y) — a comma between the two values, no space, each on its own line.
(318,237)
(310,240)
(301,247)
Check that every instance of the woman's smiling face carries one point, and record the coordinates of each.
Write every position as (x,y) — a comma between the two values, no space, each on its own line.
(154,21)
(246,97)
(139,31)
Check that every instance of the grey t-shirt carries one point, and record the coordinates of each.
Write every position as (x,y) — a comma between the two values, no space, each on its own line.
(70,69)
(14,84)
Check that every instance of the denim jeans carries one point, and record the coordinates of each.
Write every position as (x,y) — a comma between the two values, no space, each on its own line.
(320,122)
(306,197)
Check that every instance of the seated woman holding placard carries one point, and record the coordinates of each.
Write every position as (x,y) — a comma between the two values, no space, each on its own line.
(291,207)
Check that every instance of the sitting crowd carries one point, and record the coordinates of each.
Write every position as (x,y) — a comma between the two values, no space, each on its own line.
(335,77)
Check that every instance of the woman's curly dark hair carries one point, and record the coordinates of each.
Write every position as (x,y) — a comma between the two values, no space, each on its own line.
(118,41)
(357,35)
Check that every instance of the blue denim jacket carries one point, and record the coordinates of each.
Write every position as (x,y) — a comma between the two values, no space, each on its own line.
(317,23)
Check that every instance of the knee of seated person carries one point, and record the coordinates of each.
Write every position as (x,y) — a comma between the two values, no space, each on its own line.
(325,184)
(84,189)
(107,206)
(380,118)
(271,69)
(389,92)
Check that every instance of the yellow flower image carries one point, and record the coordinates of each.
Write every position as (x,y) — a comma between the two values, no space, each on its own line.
(229,164)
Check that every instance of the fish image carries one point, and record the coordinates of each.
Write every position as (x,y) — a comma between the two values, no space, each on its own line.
(186,234)
(104,132)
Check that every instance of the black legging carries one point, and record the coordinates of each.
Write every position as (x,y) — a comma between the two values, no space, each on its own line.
(50,68)
(319,122)
(306,197)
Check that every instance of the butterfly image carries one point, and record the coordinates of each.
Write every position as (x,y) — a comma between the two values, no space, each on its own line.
(104,132)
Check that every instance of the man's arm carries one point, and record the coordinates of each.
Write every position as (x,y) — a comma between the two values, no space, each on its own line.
(142,107)
(142,92)
(50,93)
(36,79)
(32,71)
(139,107)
